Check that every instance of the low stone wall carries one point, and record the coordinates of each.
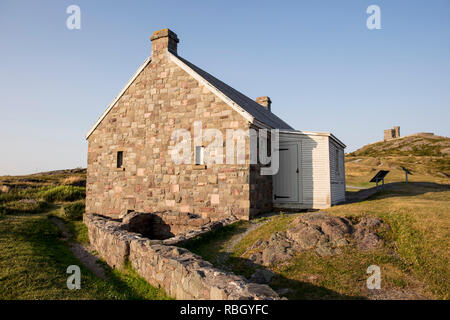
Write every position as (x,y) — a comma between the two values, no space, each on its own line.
(109,239)
(185,275)
(181,273)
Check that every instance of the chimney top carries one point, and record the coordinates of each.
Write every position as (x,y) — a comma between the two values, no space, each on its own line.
(264,101)
(163,40)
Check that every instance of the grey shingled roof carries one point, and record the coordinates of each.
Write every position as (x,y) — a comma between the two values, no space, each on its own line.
(251,106)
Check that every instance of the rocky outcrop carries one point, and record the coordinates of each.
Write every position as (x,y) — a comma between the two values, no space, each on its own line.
(365,234)
(262,276)
(181,273)
(324,234)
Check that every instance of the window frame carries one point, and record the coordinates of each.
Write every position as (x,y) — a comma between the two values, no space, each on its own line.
(119,160)
(199,155)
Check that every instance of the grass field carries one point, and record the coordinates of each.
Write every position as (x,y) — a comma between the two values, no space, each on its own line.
(34,258)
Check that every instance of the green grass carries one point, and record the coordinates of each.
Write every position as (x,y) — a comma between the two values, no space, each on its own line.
(34,259)
(340,277)
(74,210)
(63,193)
(23,206)
(277,223)
(76,227)
(33,263)
(211,245)
(420,224)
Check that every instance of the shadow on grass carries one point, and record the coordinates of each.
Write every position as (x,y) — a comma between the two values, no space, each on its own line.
(50,258)
(297,290)
(395,189)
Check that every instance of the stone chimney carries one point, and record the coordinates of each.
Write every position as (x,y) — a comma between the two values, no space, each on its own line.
(264,101)
(162,41)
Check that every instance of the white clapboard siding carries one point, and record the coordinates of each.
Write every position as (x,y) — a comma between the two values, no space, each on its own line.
(321,183)
(315,171)
(337,173)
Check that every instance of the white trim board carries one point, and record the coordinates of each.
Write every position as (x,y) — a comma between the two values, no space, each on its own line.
(310,133)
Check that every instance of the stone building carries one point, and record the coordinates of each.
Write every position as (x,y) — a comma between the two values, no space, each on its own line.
(392,133)
(129,161)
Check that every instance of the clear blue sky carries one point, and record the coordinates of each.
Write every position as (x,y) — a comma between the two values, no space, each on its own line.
(321,66)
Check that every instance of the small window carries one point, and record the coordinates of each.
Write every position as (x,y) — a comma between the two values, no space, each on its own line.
(120,159)
(199,150)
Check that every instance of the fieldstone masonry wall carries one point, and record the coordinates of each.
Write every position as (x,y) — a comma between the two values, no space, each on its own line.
(109,239)
(181,273)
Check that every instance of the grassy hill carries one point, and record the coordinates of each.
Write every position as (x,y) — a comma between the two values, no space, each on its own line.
(428,157)
(412,145)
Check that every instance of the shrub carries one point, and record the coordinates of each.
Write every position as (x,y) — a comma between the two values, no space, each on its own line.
(24,206)
(74,211)
(77,181)
(64,193)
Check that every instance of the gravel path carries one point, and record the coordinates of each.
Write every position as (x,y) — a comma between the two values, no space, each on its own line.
(222,258)
(81,252)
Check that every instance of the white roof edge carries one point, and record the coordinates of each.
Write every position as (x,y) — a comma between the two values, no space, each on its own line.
(312,133)
(213,89)
(111,105)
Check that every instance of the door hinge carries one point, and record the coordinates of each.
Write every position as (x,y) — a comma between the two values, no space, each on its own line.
(277,197)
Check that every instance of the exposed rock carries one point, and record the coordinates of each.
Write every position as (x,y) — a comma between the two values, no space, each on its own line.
(262,276)
(365,233)
(283,291)
(324,234)
(30,201)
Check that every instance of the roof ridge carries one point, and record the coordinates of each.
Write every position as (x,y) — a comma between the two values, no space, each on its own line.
(249,105)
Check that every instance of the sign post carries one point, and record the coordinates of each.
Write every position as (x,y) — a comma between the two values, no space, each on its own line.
(380,177)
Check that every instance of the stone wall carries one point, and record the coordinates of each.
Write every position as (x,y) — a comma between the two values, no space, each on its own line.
(109,239)
(182,274)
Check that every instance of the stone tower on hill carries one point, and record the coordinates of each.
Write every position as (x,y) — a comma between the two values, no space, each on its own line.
(392,133)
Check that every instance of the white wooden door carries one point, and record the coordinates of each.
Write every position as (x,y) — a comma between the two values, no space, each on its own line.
(286,181)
